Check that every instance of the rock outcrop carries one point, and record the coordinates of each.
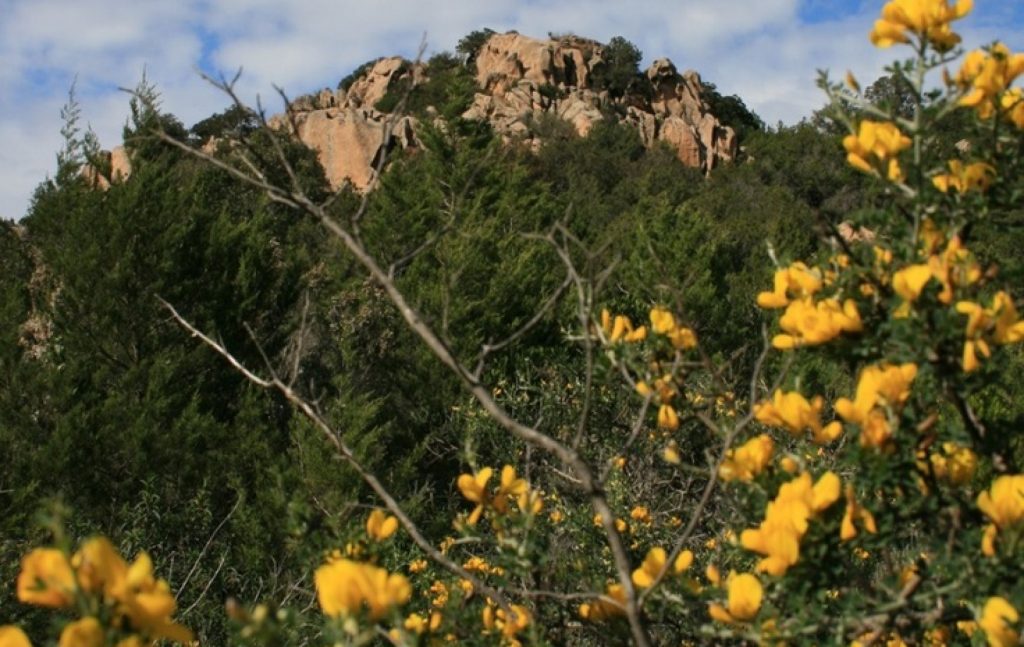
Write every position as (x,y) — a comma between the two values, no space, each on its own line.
(520,80)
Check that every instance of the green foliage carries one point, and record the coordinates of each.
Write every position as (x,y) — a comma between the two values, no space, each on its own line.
(235,121)
(731,111)
(620,67)
(470,44)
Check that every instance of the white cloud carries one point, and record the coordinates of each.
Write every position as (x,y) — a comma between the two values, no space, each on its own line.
(754,48)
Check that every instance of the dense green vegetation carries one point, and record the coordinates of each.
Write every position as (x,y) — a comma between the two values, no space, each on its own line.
(108,407)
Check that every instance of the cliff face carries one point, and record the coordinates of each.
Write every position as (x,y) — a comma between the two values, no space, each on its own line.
(513,71)
(519,79)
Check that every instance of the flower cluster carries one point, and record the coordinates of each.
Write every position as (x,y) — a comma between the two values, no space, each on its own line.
(791,411)
(345,587)
(745,595)
(986,78)
(996,324)
(786,521)
(748,460)
(875,148)
(474,488)
(654,565)
(1003,504)
(126,602)
(927,20)
(881,393)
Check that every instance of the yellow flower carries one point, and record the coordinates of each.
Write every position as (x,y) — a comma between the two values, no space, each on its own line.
(11,636)
(928,20)
(791,411)
(651,568)
(910,281)
(956,464)
(621,328)
(999,323)
(1003,503)
(879,385)
(46,579)
(671,454)
(683,562)
(380,525)
(973,177)
(876,145)
(511,485)
(855,511)
(668,418)
(344,586)
(474,488)
(809,323)
(640,513)
(509,624)
(418,566)
(747,461)
(712,574)
(997,620)
(148,602)
(796,281)
(99,566)
(664,323)
(611,605)
(985,76)
(786,520)
(745,594)
(86,632)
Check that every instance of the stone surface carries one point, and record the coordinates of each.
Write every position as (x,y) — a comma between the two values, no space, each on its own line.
(521,80)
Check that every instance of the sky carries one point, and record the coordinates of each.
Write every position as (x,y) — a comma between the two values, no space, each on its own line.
(765,51)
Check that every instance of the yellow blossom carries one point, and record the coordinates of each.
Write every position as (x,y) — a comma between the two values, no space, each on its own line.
(46,579)
(343,587)
(380,525)
(876,144)
(11,636)
(683,562)
(651,568)
(747,461)
(510,485)
(86,632)
(955,464)
(640,513)
(509,624)
(928,20)
(786,520)
(603,609)
(809,323)
(745,594)
(664,323)
(879,386)
(671,453)
(417,566)
(984,76)
(791,411)
(474,488)
(668,418)
(855,512)
(796,281)
(997,621)
(1003,504)
(148,601)
(972,177)
(621,328)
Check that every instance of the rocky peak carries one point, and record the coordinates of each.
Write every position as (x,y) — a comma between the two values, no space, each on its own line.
(519,79)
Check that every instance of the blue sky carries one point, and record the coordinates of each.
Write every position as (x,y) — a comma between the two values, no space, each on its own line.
(766,51)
